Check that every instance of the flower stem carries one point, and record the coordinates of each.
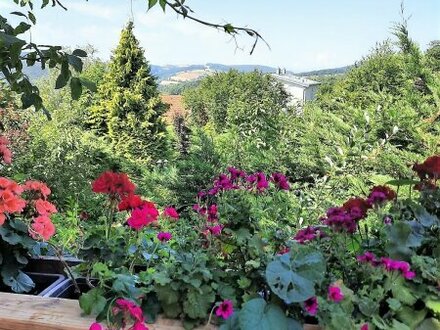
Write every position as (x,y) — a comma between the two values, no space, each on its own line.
(66,266)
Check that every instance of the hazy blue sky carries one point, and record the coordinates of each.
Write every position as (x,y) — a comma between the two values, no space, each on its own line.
(303,35)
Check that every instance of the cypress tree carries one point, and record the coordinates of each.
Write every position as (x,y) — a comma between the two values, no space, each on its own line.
(130,110)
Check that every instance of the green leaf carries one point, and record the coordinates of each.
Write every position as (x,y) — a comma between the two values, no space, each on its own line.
(163,4)
(75,62)
(231,323)
(429,324)
(229,28)
(92,302)
(17,280)
(402,236)
(293,276)
(424,217)
(434,306)
(88,84)
(32,17)
(62,80)
(402,182)
(9,40)
(75,88)
(45,3)
(198,302)
(18,13)
(151,3)
(256,314)
(21,28)
(79,53)
(394,304)
(411,317)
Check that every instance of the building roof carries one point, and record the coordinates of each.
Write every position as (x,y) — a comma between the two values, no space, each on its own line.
(295,80)
(176,106)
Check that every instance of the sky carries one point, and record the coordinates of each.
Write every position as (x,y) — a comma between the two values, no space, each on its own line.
(303,35)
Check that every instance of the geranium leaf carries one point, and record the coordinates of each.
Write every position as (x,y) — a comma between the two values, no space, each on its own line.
(92,301)
(256,314)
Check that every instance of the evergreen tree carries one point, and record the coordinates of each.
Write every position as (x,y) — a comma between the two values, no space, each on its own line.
(130,110)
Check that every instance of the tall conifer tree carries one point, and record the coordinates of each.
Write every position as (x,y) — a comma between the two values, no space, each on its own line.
(130,109)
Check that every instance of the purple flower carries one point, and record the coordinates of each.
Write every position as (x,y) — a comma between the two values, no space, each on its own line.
(216,230)
(164,236)
(335,293)
(225,310)
(280,181)
(311,306)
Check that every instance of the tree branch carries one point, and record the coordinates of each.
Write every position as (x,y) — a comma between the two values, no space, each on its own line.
(182,10)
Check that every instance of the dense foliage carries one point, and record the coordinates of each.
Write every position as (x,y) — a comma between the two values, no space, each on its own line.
(277,239)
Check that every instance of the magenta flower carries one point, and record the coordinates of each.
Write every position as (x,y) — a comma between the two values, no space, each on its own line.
(364,326)
(409,275)
(311,306)
(307,234)
(96,326)
(134,310)
(164,236)
(171,212)
(367,257)
(262,183)
(280,181)
(216,230)
(225,309)
(335,293)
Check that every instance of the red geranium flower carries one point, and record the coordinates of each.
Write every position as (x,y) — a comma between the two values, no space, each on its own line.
(130,202)
(164,236)
(380,194)
(143,216)
(10,202)
(13,186)
(430,168)
(114,184)
(356,207)
(335,293)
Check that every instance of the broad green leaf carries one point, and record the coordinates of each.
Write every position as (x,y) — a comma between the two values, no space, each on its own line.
(18,281)
(198,302)
(62,80)
(75,62)
(402,236)
(429,324)
(163,4)
(411,317)
(434,306)
(75,88)
(256,314)
(293,276)
(92,302)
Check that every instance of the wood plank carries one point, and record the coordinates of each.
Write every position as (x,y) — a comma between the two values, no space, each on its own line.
(24,312)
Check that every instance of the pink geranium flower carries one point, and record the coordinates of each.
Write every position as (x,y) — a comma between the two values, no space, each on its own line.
(225,309)
(364,326)
(335,293)
(96,326)
(311,306)
(171,212)
(44,207)
(216,230)
(164,236)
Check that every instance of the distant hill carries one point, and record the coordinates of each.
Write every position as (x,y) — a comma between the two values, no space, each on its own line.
(192,72)
(326,72)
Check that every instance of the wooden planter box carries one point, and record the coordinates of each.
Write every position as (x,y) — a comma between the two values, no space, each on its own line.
(24,312)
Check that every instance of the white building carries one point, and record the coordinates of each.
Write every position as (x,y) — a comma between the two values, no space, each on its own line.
(300,89)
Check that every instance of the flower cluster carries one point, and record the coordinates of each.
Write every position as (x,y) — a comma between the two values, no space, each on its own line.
(308,234)
(429,169)
(211,215)
(380,195)
(142,216)
(346,217)
(388,264)
(5,152)
(311,306)
(12,202)
(114,184)
(171,213)
(130,312)
(238,179)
